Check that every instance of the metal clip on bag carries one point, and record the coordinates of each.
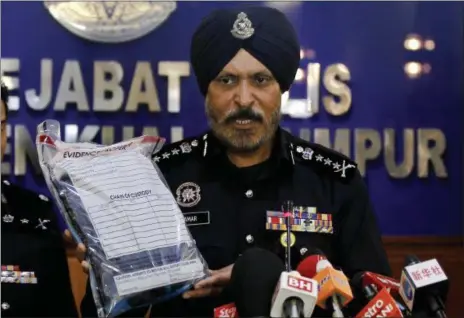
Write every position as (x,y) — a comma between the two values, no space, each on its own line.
(115,200)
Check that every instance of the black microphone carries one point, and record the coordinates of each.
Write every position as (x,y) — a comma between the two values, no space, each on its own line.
(253,281)
(424,285)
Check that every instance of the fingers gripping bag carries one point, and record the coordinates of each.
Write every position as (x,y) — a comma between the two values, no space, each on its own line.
(115,200)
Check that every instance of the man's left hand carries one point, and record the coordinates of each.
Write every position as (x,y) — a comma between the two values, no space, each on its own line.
(212,285)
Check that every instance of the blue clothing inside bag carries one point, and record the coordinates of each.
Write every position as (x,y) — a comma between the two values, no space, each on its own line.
(104,270)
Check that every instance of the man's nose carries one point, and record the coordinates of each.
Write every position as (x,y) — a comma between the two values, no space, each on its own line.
(245,95)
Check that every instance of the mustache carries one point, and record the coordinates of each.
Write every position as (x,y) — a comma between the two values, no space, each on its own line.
(244,114)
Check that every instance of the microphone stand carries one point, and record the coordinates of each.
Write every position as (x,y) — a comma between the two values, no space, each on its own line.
(288,210)
(293,307)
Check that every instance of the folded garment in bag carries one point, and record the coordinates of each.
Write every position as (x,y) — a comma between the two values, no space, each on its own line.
(115,200)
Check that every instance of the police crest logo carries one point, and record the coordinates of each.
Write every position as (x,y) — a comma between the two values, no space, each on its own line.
(242,28)
(110,21)
(188,194)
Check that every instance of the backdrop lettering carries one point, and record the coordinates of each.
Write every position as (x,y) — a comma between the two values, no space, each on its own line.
(353,93)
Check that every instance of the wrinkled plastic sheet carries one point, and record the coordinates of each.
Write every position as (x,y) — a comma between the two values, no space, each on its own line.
(115,200)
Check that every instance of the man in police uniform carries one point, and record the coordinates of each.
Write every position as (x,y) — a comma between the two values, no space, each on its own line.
(231,181)
(35,277)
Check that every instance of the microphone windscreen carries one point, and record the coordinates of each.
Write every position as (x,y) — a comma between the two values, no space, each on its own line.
(411,259)
(253,281)
(312,251)
(314,261)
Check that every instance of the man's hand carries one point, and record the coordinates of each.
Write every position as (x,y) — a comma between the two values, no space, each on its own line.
(212,285)
(80,250)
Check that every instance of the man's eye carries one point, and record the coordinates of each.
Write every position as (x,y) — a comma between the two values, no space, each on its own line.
(262,79)
(227,80)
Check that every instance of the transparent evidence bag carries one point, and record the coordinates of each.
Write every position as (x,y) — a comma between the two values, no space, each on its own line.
(115,201)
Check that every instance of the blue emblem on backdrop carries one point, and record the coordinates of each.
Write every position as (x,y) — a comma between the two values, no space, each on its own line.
(381,82)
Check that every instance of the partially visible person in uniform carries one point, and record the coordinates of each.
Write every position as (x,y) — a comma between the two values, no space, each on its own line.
(35,277)
(232,180)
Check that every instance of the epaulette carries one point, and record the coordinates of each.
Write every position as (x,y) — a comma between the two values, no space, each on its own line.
(326,160)
(26,193)
(177,152)
(28,207)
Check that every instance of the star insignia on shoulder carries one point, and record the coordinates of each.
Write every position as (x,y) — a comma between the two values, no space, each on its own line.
(328,160)
(176,149)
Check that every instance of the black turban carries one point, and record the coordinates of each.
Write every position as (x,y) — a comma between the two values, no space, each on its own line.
(263,32)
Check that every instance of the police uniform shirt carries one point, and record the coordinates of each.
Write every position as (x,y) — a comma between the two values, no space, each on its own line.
(35,276)
(227,208)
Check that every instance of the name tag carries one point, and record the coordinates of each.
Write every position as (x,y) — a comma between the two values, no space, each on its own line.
(197,218)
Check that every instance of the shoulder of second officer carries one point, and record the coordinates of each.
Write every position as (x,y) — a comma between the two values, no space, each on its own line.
(323,160)
(178,153)
(27,204)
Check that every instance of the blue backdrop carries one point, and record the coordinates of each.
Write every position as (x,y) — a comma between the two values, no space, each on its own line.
(368,38)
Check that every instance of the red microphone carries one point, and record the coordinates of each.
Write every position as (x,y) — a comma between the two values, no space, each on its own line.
(380,281)
(334,289)
(381,304)
(313,262)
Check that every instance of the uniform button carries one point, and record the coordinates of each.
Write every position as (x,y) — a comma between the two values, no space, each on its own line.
(249,238)
(249,193)
(303,250)
(5,306)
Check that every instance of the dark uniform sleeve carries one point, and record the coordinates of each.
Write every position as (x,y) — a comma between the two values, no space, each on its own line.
(359,241)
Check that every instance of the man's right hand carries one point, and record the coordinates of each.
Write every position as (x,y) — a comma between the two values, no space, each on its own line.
(79,249)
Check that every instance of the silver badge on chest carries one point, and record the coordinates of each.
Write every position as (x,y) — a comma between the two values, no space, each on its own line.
(188,194)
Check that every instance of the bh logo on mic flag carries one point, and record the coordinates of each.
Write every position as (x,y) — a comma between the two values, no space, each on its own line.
(300,283)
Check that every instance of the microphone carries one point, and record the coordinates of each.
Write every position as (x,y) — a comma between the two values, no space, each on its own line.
(381,304)
(370,283)
(254,277)
(259,282)
(424,285)
(334,288)
(380,281)
(294,297)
